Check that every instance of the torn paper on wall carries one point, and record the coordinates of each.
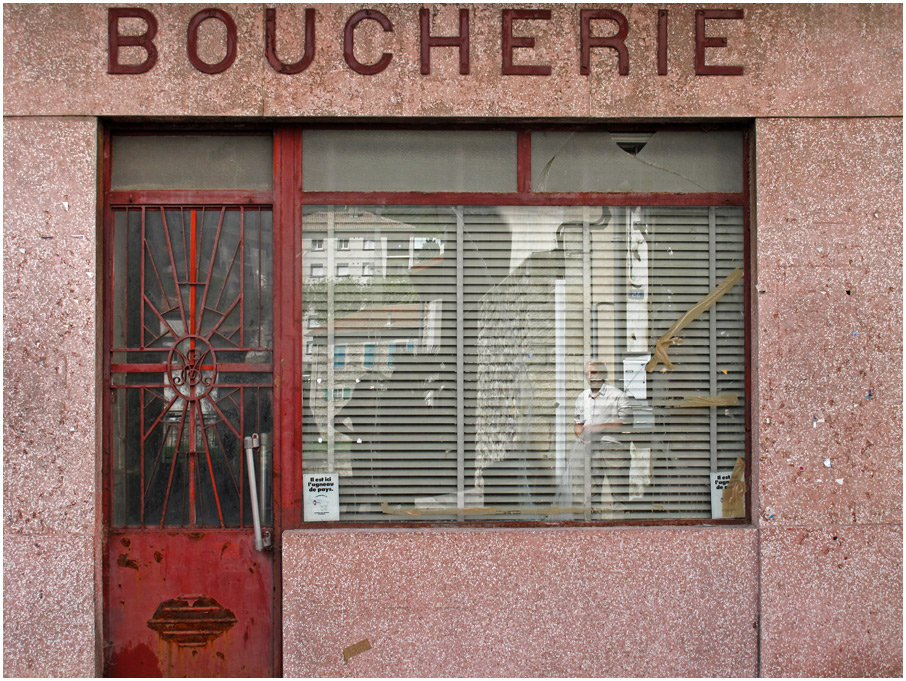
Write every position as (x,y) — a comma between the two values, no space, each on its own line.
(356,649)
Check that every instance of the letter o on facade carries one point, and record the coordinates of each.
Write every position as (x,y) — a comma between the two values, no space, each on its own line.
(192,41)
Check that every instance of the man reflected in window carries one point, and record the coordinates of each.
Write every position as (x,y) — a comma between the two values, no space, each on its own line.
(597,469)
(601,410)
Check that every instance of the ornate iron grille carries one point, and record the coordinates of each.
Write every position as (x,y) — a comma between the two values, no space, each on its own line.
(191,363)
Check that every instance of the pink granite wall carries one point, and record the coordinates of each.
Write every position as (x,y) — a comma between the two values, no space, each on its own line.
(799,60)
(50,369)
(524,602)
(815,584)
(830,413)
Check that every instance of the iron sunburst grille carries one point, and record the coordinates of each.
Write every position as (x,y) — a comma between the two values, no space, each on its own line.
(192,319)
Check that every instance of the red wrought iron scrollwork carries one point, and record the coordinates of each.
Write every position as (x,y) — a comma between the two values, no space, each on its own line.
(190,362)
(192,367)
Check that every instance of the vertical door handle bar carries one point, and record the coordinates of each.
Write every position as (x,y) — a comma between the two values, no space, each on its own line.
(264,454)
(252,443)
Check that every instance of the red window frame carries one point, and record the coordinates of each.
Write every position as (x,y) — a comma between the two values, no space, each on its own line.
(287,199)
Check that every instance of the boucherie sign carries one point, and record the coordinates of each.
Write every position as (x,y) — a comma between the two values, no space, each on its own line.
(598,29)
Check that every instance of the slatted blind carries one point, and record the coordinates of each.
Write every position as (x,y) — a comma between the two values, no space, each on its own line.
(442,367)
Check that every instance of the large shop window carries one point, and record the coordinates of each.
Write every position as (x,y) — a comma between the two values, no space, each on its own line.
(571,351)
(483,325)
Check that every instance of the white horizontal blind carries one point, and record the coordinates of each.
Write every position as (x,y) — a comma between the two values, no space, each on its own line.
(441,371)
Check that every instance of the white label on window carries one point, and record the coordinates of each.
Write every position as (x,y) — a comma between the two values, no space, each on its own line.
(321,497)
(720,484)
(635,380)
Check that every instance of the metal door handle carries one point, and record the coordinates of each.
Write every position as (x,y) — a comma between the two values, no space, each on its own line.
(262,540)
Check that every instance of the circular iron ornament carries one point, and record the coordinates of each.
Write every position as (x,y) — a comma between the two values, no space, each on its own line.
(192,367)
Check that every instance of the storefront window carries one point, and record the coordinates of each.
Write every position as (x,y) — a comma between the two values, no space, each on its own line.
(474,333)
(409,160)
(654,161)
(495,324)
(195,162)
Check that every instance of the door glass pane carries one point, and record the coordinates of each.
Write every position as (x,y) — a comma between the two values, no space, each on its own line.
(409,160)
(193,336)
(662,161)
(193,162)
(466,354)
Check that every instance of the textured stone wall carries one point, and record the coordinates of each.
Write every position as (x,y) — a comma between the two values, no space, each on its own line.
(539,602)
(798,60)
(829,383)
(814,587)
(50,373)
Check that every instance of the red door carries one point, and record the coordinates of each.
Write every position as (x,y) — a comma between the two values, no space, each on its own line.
(189,370)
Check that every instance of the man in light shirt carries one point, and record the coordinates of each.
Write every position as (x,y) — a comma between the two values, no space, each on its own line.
(598,462)
(601,410)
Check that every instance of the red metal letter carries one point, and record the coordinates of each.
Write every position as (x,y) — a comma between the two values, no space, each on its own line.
(349,47)
(662,15)
(616,42)
(701,42)
(115,40)
(227,61)
(511,42)
(270,42)
(428,41)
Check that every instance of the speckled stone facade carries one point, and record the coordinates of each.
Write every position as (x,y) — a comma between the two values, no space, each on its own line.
(524,602)
(813,587)
(51,513)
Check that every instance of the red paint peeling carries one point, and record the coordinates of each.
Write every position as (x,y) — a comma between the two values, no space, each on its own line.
(151,612)
(136,661)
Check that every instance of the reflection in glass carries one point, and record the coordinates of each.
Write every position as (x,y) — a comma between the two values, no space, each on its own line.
(442,383)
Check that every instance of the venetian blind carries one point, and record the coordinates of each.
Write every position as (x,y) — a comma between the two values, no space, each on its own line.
(445,347)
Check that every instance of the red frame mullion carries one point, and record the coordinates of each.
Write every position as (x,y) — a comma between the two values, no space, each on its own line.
(524,161)
(106,276)
(287,458)
(287,322)
(187,198)
(522,199)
